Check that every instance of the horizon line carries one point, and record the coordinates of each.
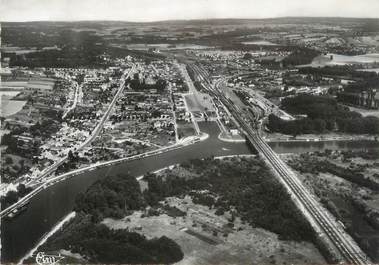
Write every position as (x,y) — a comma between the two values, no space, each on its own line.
(189,19)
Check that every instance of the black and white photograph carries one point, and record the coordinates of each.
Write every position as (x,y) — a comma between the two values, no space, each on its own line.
(203,132)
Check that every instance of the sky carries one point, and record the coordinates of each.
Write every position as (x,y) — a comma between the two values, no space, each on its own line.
(155,10)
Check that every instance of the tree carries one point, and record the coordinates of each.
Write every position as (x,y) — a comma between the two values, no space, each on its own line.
(111,197)
(8,160)
(22,163)
(247,56)
(372,125)
(319,125)
(70,156)
(62,100)
(10,198)
(21,189)
(292,128)
(156,113)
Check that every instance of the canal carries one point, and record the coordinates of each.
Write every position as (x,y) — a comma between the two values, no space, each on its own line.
(20,234)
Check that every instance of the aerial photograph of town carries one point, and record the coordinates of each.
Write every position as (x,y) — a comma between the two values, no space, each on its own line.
(196,132)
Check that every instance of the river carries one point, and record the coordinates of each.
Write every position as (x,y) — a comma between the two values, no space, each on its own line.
(47,208)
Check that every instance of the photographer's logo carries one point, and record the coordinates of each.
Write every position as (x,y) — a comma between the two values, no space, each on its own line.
(44,259)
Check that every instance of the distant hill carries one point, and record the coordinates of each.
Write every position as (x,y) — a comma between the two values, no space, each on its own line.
(371,23)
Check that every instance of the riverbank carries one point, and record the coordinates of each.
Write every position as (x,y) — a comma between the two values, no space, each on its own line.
(47,236)
(227,136)
(278,137)
(170,167)
(231,138)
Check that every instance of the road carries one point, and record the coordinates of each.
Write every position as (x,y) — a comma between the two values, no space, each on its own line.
(46,172)
(76,97)
(191,90)
(329,230)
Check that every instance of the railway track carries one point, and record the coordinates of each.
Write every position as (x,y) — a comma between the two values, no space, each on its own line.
(344,247)
(348,249)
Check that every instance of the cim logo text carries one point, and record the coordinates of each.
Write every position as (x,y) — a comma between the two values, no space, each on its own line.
(44,259)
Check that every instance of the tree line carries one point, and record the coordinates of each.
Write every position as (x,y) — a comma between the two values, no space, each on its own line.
(323,114)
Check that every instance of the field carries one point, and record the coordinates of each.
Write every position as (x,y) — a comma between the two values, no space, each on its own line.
(185,129)
(199,102)
(10,107)
(165,46)
(195,233)
(260,42)
(338,59)
(365,112)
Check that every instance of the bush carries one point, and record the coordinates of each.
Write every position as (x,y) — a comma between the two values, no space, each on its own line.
(8,160)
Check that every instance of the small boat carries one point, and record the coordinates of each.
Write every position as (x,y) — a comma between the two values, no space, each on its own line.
(23,207)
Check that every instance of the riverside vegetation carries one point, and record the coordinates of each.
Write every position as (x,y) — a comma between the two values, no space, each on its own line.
(244,186)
